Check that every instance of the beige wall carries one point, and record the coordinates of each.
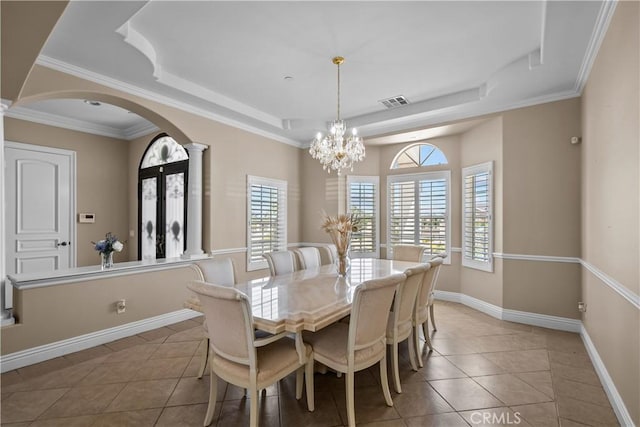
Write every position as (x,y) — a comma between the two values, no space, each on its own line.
(102,174)
(610,199)
(541,207)
(54,313)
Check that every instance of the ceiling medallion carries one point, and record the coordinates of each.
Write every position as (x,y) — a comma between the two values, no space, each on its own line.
(335,151)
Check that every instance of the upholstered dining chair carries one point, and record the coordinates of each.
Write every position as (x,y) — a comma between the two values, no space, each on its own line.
(221,272)
(308,257)
(280,262)
(361,343)
(334,252)
(400,322)
(238,358)
(424,305)
(412,253)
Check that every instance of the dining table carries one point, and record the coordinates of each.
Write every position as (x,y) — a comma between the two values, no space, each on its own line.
(309,299)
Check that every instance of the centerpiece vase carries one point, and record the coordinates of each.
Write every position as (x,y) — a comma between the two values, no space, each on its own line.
(107,259)
(343,263)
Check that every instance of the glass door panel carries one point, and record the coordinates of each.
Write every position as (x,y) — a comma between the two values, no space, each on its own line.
(174,214)
(148,224)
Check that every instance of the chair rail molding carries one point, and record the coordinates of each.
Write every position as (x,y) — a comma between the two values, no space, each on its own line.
(625,292)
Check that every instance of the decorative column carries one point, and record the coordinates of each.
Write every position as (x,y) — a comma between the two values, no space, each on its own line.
(6,291)
(194,202)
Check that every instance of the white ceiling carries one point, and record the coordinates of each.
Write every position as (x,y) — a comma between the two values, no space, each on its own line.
(228,60)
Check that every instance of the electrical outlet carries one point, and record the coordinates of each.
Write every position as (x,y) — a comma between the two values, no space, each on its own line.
(121,306)
(582,307)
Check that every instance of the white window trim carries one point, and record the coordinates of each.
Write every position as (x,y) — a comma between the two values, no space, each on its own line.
(375,180)
(446,174)
(471,263)
(282,207)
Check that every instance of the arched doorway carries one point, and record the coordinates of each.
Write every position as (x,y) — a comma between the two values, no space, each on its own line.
(162,199)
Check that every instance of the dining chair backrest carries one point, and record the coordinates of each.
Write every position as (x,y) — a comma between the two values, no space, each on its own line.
(326,257)
(413,253)
(227,313)
(218,271)
(308,257)
(367,326)
(435,268)
(423,292)
(405,299)
(333,250)
(280,262)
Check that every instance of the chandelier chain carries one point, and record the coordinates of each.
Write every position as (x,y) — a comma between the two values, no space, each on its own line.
(338,90)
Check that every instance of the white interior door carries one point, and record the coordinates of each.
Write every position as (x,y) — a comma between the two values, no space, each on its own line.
(40,210)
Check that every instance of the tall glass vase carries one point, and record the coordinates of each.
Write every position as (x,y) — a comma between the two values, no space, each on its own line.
(107,260)
(343,263)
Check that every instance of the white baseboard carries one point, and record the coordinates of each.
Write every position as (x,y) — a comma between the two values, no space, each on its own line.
(624,418)
(542,320)
(533,319)
(41,353)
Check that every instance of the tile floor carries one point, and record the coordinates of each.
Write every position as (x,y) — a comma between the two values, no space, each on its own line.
(483,372)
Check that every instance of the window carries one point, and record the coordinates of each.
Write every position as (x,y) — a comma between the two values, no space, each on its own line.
(266,219)
(417,155)
(162,199)
(477,241)
(362,198)
(418,212)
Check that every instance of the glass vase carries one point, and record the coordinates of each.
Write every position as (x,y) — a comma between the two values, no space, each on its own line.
(107,260)
(343,263)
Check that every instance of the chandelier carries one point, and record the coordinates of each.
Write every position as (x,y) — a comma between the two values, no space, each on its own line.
(335,151)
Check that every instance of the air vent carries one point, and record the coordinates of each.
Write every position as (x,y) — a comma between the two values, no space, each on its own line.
(396,101)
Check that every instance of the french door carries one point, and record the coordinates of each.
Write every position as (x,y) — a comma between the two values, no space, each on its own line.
(162,210)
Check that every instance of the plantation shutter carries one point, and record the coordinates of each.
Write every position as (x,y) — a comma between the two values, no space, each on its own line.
(418,211)
(433,216)
(402,212)
(477,217)
(362,200)
(267,225)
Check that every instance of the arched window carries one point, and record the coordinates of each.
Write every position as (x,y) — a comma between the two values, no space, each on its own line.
(420,154)
(162,199)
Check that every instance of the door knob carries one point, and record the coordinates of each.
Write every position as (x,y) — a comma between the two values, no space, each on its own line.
(63,244)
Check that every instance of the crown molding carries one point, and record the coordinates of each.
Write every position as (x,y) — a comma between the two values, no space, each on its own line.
(142,129)
(64,67)
(49,119)
(599,31)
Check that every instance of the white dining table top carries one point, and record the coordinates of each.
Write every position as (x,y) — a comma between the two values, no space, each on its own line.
(313,298)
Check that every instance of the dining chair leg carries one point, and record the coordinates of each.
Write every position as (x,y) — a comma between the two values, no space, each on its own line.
(299,375)
(433,321)
(205,357)
(395,367)
(416,344)
(213,395)
(253,407)
(412,352)
(385,381)
(311,405)
(425,330)
(351,412)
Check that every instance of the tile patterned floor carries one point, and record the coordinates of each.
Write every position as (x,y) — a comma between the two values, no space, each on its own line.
(483,372)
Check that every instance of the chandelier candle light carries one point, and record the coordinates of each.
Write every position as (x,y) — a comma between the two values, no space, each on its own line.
(335,151)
